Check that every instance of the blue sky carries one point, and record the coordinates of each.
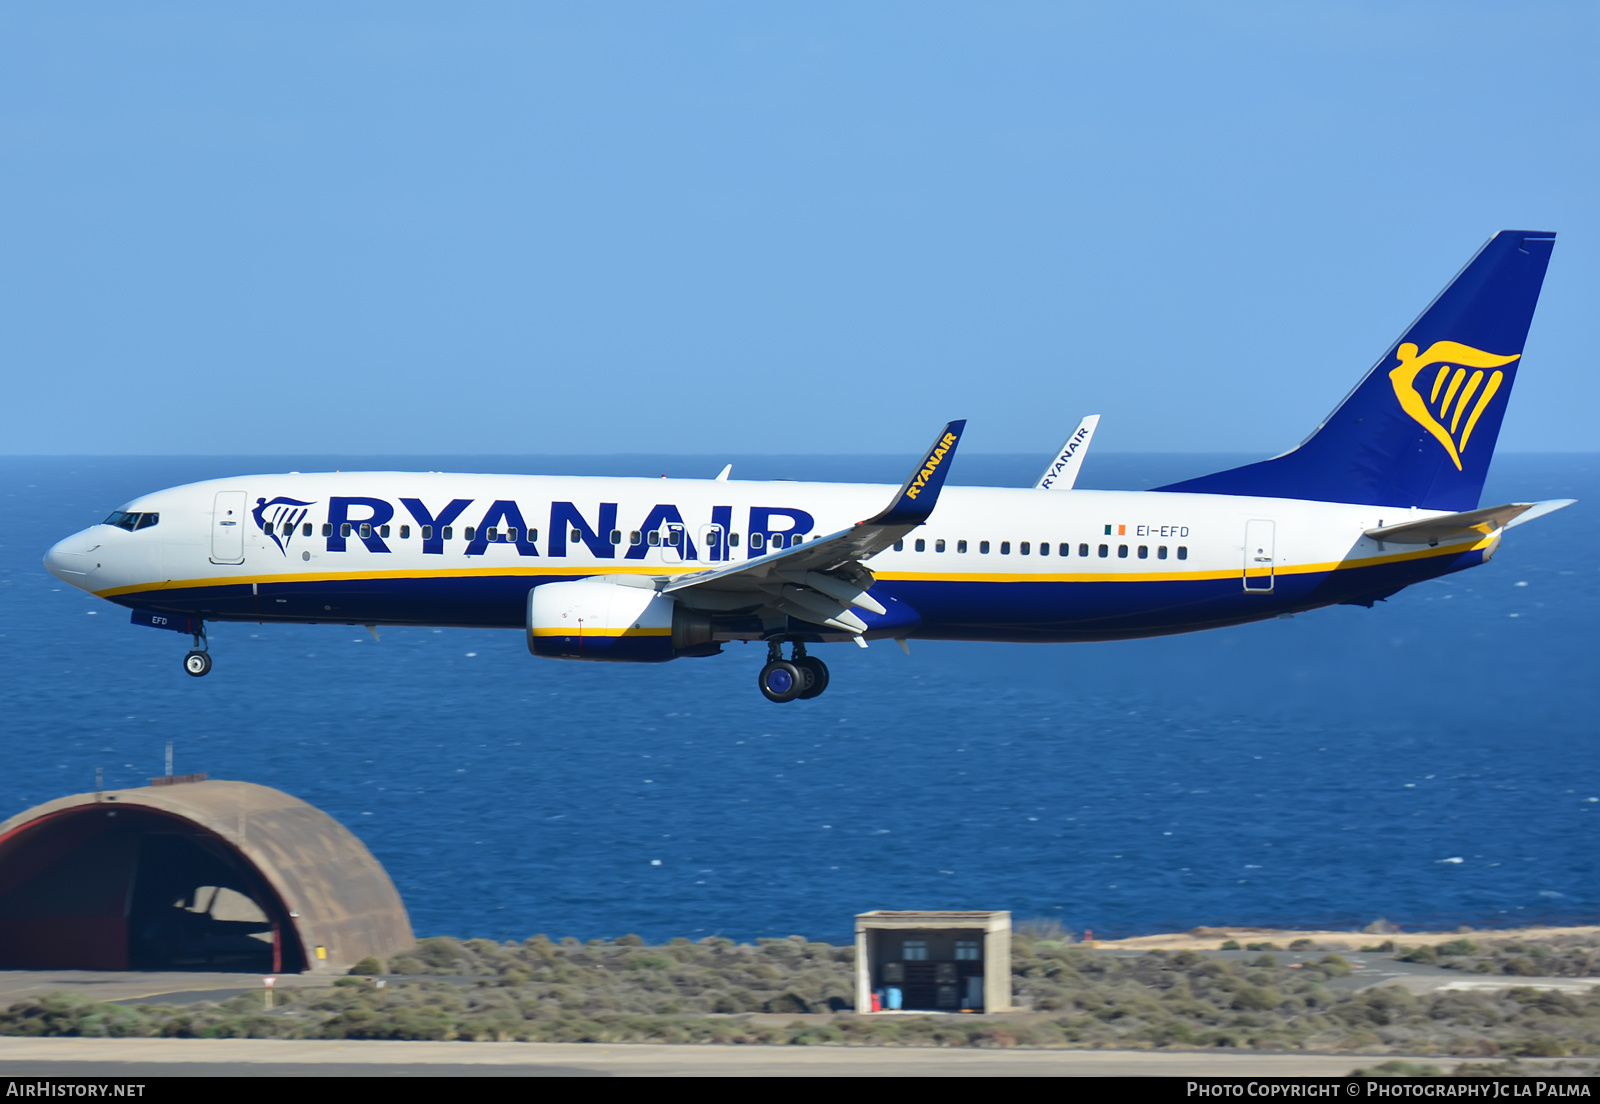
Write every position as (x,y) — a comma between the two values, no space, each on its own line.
(768,228)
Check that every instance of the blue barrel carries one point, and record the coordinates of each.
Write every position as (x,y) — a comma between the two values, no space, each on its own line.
(894,1000)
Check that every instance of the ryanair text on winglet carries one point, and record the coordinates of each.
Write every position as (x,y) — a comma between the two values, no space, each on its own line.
(931,464)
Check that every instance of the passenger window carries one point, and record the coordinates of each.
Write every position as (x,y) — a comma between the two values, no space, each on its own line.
(733,540)
(1044,548)
(1161,553)
(713,537)
(577,535)
(405,532)
(306,529)
(1005,548)
(777,540)
(491,534)
(472,532)
(655,537)
(758,541)
(983,548)
(1122,551)
(616,536)
(448,533)
(383,531)
(1083,550)
(899,546)
(1022,549)
(674,537)
(922,545)
(938,545)
(344,530)
(635,537)
(511,533)
(1144,551)
(366,530)
(266,527)
(1065,549)
(327,529)
(533,535)
(427,532)
(1183,552)
(961,546)
(1105,550)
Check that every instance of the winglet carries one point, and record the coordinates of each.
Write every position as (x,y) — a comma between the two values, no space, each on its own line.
(920,492)
(1063,470)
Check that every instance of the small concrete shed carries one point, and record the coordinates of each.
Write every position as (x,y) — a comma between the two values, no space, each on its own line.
(934,961)
(206,875)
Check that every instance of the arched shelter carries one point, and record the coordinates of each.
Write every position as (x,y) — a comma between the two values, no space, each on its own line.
(202,875)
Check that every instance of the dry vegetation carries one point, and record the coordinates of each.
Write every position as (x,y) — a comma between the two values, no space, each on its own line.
(1562,956)
(792,991)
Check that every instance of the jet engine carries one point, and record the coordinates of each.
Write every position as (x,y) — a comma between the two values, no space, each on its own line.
(619,619)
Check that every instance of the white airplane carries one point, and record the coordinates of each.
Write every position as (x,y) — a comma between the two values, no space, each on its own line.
(1382,495)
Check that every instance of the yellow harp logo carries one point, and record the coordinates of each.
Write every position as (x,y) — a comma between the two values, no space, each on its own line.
(1447,400)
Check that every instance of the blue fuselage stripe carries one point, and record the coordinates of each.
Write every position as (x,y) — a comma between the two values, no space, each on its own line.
(949,609)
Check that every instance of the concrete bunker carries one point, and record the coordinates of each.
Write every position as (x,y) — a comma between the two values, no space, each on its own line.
(207,875)
(933,961)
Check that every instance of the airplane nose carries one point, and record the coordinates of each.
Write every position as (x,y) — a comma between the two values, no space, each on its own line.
(73,560)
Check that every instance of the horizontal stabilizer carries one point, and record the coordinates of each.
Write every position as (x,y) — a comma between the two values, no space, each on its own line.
(1539,510)
(1465,526)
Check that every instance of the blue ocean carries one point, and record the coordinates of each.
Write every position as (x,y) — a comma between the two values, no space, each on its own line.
(1434,760)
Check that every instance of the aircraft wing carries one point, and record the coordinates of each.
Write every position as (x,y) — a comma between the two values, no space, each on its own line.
(820,579)
(1472,523)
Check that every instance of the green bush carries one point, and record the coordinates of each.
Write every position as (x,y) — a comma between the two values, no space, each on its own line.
(367,966)
(1333,965)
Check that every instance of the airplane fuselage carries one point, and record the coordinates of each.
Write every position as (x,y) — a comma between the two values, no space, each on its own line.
(390,548)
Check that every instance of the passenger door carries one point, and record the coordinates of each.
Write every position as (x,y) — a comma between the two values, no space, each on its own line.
(227,528)
(1258,555)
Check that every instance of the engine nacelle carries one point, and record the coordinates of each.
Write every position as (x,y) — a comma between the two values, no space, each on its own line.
(607,619)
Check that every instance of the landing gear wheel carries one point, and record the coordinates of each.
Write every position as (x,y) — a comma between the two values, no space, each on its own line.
(819,675)
(197,663)
(782,681)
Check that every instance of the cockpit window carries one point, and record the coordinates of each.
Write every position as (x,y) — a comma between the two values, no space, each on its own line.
(132,521)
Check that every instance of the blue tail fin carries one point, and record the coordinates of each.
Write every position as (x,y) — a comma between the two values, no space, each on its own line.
(1420,429)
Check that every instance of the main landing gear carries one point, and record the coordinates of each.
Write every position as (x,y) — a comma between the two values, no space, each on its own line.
(799,676)
(198,661)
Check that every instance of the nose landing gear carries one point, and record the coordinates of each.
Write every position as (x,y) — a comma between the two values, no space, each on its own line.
(198,661)
(800,676)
